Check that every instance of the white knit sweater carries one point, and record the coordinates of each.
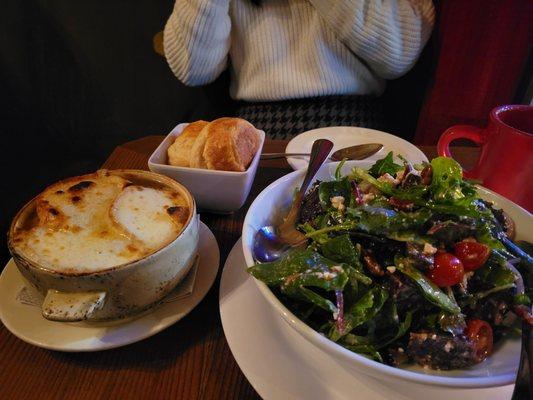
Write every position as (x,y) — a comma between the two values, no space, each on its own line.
(287,49)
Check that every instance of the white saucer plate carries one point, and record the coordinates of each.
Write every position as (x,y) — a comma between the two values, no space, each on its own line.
(280,364)
(345,136)
(27,323)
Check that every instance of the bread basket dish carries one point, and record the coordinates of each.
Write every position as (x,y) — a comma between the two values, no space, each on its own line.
(217,168)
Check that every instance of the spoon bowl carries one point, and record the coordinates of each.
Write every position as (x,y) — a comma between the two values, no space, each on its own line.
(267,245)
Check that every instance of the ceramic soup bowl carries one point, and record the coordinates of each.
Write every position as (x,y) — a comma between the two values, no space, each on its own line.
(119,291)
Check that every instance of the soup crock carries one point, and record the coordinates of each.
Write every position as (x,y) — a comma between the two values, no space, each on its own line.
(119,291)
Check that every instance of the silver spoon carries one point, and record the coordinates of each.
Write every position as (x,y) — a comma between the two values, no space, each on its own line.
(357,152)
(270,242)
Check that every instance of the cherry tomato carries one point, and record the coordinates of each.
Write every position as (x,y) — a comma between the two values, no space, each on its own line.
(472,254)
(480,333)
(447,270)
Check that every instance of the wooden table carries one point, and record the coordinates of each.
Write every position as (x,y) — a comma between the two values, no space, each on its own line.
(189,360)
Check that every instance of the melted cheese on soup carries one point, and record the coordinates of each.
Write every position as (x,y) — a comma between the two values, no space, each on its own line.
(97,221)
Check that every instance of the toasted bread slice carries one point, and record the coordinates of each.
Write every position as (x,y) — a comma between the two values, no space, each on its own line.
(197,159)
(230,145)
(179,152)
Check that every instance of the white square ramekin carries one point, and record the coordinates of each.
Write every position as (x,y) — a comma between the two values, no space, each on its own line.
(218,191)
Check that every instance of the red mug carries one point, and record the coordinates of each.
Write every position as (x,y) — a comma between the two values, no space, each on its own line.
(505,164)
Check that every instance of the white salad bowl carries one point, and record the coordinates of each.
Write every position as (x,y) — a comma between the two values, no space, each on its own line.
(213,190)
(498,370)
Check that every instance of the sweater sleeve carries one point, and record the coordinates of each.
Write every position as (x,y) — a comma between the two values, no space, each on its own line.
(388,35)
(197,40)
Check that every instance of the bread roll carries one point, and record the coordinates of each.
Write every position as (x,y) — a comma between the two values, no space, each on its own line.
(230,144)
(180,151)
(197,152)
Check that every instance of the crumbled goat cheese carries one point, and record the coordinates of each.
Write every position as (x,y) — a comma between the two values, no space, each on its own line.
(429,249)
(386,177)
(368,197)
(338,202)
(326,275)
(391,269)
(329,275)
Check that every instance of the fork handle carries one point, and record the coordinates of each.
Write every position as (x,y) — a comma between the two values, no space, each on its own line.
(319,154)
(524,387)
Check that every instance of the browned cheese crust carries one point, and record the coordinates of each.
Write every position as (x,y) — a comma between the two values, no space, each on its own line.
(51,203)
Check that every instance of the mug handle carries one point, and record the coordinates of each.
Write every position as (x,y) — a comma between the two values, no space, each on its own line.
(71,307)
(476,135)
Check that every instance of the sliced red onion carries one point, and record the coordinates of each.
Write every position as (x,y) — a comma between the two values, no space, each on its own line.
(357,193)
(519,281)
(340,308)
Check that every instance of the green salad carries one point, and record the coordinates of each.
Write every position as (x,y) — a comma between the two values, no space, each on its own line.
(405,264)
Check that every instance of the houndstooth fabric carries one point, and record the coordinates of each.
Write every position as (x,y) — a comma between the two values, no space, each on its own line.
(286,119)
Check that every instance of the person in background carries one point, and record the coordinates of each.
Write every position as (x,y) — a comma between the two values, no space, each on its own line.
(299,64)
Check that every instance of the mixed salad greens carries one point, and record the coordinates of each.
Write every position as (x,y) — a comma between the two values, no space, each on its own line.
(405,263)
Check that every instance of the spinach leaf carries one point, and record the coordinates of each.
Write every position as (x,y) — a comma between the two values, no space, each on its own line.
(355,276)
(495,272)
(320,277)
(361,174)
(431,292)
(443,201)
(362,345)
(384,221)
(447,179)
(415,193)
(355,340)
(403,327)
(366,350)
(275,273)
(341,249)
(365,309)
(304,294)
(385,165)
(341,226)
(320,238)
(301,269)
(327,190)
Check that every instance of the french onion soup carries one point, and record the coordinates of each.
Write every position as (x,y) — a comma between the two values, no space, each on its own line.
(93,222)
